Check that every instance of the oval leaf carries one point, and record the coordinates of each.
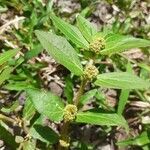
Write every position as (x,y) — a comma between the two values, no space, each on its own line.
(47,104)
(86,28)
(71,32)
(116,43)
(121,80)
(59,48)
(101,119)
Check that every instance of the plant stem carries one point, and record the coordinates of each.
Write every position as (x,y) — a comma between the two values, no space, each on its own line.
(5,118)
(65,128)
(80,92)
(64,135)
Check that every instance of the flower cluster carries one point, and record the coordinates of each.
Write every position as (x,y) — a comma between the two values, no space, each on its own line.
(97,44)
(90,71)
(64,143)
(70,112)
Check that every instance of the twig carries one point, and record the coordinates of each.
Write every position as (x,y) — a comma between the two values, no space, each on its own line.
(8,119)
(5,26)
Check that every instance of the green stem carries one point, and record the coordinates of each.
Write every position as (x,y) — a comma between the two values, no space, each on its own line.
(64,135)
(80,92)
(66,125)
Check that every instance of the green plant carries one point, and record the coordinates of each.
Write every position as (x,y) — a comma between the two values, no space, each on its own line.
(92,45)
(80,51)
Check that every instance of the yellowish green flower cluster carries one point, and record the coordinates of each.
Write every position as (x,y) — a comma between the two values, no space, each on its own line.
(97,45)
(70,112)
(90,71)
(64,143)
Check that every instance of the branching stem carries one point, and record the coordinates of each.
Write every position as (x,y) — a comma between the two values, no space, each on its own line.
(64,133)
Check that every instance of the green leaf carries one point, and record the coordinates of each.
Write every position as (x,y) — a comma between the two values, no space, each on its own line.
(140,140)
(29,145)
(101,119)
(5,74)
(37,48)
(116,43)
(144,66)
(70,31)
(46,103)
(87,96)
(121,80)
(123,98)
(18,86)
(4,57)
(10,109)
(68,90)
(122,101)
(43,133)
(8,138)
(61,50)
(86,28)
(28,110)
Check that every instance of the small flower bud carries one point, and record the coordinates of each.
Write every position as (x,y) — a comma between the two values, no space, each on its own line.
(70,112)
(97,44)
(90,71)
(64,143)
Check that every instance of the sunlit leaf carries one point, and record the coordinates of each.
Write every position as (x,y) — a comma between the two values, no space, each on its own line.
(70,31)
(4,57)
(47,104)
(116,43)
(95,118)
(121,80)
(5,74)
(61,50)
(86,28)
(140,140)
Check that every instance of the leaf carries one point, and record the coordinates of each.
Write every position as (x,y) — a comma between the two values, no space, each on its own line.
(68,90)
(70,31)
(140,140)
(116,43)
(37,48)
(87,96)
(121,80)
(29,145)
(59,48)
(102,102)
(144,66)
(124,94)
(18,86)
(86,28)
(8,138)
(43,133)
(122,101)
(46,103)
(101,119)
(28,110)
(5,74)
(4,57)
(10,109)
